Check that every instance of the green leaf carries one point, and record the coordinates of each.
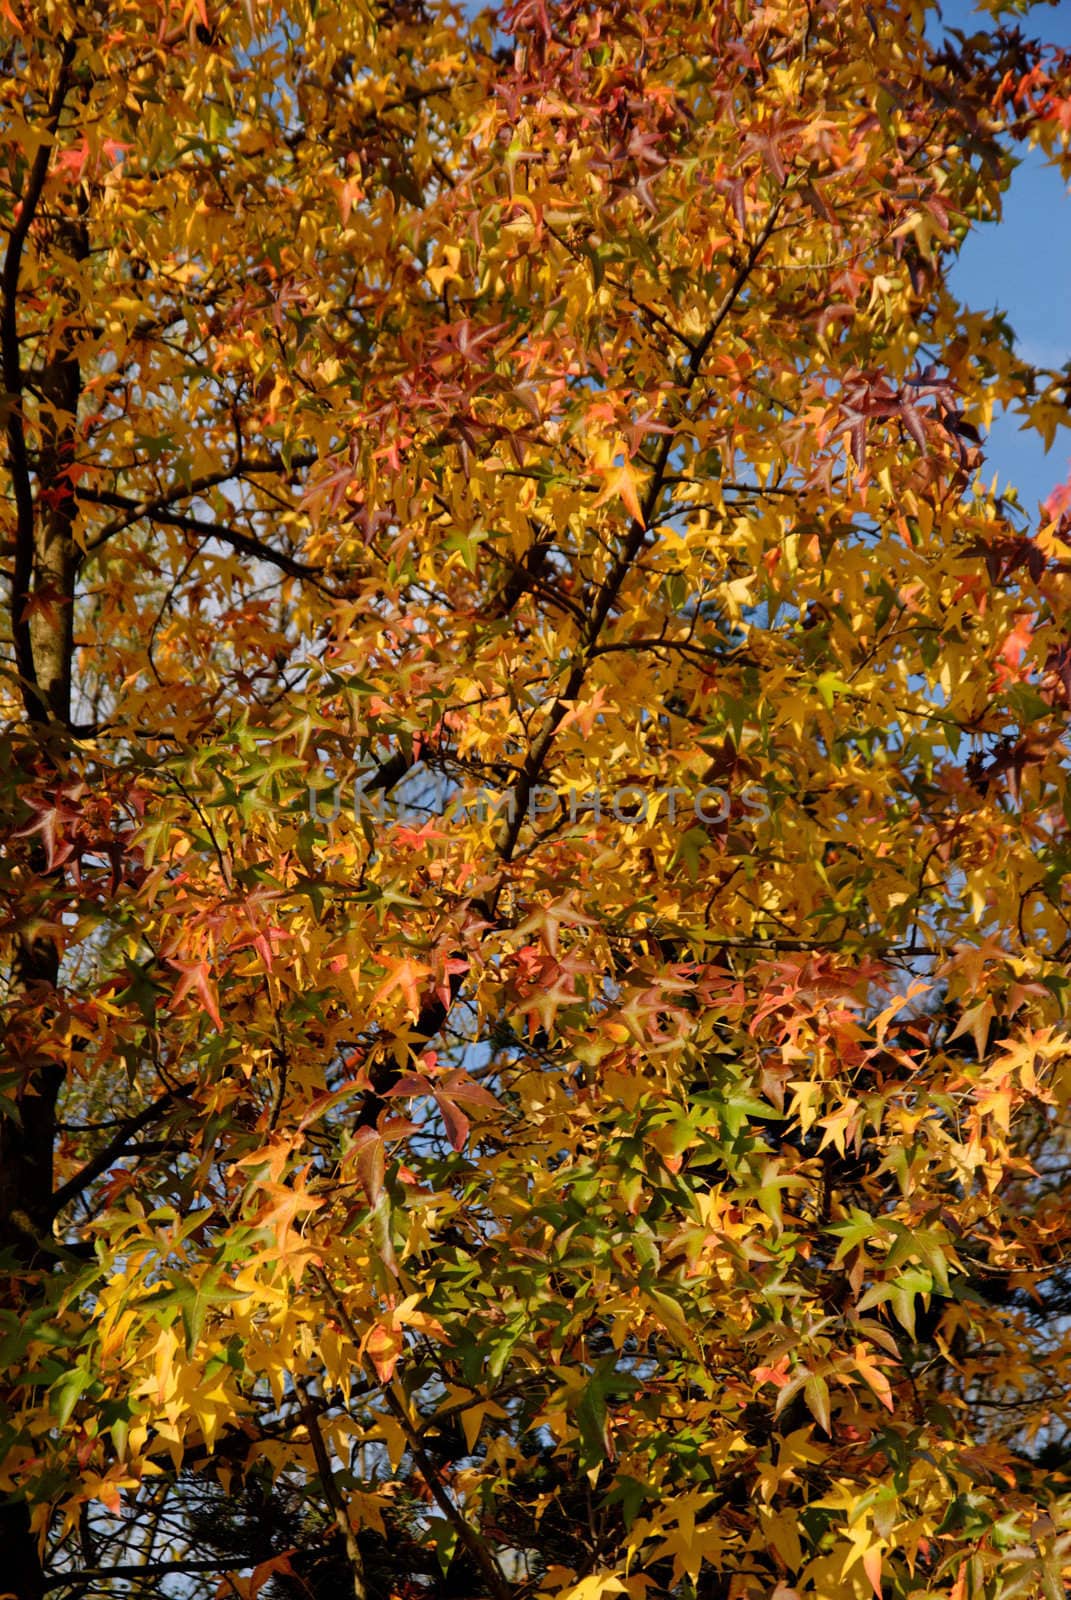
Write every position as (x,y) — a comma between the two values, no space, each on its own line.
(444,1536)
(66,1392)
(593,1423)
(816,1396)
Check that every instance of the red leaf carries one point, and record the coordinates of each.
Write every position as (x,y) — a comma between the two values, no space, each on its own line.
(913,424)
(459,1086)
(195,976)
(457,1124)
(859,443)
(409,1083)
(371,1162)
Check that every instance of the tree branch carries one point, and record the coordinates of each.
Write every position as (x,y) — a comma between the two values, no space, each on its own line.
(137,509)
(469,1537)
(114,1149)
(334,1499)
(537,755)
(151,1569)
(244,543)
(11,365)
(435,1011)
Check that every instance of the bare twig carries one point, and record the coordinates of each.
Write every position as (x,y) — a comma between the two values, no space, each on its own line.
(334,1499)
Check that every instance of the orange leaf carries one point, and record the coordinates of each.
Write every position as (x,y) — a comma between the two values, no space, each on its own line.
(195,976)
(872,1568)
(383,1346)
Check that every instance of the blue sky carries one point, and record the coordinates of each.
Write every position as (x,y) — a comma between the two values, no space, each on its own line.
(1022,266)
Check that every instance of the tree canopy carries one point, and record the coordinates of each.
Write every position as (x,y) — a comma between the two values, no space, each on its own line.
(536,939)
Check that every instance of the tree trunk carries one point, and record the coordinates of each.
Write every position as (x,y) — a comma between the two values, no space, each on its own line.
(47,509)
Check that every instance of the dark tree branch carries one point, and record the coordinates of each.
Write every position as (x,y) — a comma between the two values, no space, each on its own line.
(137,509)
(11,365)
(334,1500)
(244,543)
(114,1149)
(468,1535)
(434,1012)
(608,593)
(151,1569)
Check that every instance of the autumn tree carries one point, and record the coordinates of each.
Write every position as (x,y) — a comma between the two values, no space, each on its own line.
(535,927)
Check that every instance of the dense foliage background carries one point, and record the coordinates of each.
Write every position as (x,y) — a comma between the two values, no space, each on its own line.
(534,879)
